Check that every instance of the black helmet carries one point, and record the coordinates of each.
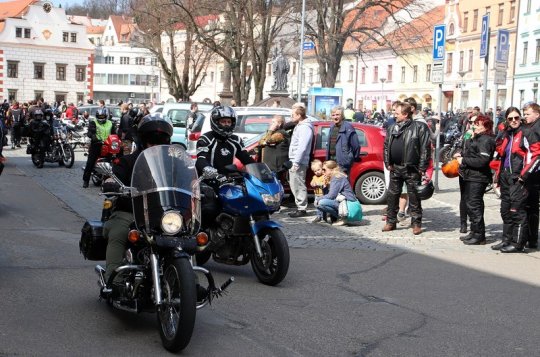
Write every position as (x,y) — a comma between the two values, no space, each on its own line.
(37,114)
(133,112)
(155,130)
(221,112)
(425,190)
(102,114)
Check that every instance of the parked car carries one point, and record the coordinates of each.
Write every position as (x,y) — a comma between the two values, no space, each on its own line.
(115,111)
(157,108)
(366,175)
(177,113)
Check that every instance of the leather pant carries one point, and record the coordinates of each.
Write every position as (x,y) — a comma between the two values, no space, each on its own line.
(474,191)
(411,177)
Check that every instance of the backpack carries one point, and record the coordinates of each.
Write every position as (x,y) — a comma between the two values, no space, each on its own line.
(16,115)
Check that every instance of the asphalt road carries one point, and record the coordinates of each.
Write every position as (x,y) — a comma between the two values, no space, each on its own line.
(350,291)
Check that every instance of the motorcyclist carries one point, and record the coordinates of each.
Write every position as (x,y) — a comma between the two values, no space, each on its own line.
(215,150)
(152,130)
(98,131)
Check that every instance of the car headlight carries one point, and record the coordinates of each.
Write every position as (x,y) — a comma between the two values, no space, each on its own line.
(271,200)
(171,222)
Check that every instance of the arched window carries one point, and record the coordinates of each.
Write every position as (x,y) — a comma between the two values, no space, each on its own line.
(451,29)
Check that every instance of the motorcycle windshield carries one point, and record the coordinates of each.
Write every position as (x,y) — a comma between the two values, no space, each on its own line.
(164,178)
(261,171)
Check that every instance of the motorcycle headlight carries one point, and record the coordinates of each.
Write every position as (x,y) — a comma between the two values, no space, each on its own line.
(114,145)
(171,222)
(271,200)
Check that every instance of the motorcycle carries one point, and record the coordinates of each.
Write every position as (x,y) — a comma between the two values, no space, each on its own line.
(157,274)
(49,144)
(240,230)
(110,150)
(76,133)
(452,144)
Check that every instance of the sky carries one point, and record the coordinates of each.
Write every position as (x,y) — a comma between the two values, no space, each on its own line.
(58,2)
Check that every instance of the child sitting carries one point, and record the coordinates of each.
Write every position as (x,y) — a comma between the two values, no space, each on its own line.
(320,186)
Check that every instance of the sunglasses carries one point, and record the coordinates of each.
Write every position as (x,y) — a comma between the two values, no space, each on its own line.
(516,118)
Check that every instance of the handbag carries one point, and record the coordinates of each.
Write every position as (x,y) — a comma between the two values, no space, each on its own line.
(354,211)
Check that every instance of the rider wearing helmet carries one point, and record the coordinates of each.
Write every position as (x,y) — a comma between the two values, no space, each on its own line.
(98,131)
(152,130)
(218,148)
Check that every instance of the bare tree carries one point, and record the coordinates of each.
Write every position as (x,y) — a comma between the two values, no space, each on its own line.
(100,8)
(163,31)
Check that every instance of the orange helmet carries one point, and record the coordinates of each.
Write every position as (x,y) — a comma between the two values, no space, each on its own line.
(451,168)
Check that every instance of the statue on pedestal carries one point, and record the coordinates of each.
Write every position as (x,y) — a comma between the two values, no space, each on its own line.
(280,70)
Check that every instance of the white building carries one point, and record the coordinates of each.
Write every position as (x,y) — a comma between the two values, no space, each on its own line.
(43,54)
(527,72)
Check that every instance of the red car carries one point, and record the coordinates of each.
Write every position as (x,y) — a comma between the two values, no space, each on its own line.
(367,175)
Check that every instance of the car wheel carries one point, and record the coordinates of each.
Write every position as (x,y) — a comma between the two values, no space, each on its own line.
(370,188)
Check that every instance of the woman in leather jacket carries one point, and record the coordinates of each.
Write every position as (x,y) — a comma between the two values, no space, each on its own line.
(476,174)
(514,195)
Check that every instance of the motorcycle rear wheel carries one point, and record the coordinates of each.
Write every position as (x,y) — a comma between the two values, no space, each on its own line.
(176,316)
(273,266)
(38,160)
(68,159)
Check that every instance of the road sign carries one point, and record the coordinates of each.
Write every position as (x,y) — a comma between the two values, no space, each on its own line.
(439,40)
(500,77)
(484,37)
(437,73)
(503,46)
(308,45)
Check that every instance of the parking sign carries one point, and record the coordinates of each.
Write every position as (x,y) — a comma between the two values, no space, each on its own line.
(503,46)
(439,40)
(484,37)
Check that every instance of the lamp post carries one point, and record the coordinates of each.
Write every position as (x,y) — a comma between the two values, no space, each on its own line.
(382,92)
(461,74)
(301,60)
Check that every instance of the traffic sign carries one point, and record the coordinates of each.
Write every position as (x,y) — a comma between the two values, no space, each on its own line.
(439,40)
(503,46)
(437,75)
(500,77)
(308,45)
(484,37)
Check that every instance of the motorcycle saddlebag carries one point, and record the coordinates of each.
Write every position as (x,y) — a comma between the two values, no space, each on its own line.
(92,244)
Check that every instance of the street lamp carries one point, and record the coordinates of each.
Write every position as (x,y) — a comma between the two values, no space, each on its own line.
(461,74)
(382,90)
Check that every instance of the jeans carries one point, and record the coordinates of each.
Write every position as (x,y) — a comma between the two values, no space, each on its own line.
(328,206)
(116,231)
(297,181)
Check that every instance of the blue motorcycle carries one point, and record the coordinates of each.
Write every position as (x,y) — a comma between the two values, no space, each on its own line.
(237,222)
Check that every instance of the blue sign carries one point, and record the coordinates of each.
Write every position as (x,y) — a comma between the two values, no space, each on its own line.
(484,37)
(308,46)
(439,40)
(503,46)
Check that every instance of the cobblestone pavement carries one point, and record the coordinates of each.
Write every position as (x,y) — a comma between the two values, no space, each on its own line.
(440,218)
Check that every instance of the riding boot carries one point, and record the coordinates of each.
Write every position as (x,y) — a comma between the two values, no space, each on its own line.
(470,235)
(532,235)
(477,238)
(519,238)
(463,228)
(506,237)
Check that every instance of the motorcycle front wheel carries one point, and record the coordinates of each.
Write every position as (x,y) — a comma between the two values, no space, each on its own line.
(176,315)
(444,154)
(273,266)
(38,159)
(68,159)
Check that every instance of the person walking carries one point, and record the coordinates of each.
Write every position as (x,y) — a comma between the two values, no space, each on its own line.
(343,145)
(476,173)
(513,154)
(299,152)
(407,153)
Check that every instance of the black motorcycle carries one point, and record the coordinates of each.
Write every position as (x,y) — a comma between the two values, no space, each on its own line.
(452,143)
(48,143)
(157,274)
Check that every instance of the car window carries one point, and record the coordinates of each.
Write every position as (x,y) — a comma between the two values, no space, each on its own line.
(115,112)
(178,117)
(256,127)
(362,139)
(322,138)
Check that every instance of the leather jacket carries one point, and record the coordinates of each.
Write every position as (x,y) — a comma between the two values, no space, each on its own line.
(477,154)
(417,144)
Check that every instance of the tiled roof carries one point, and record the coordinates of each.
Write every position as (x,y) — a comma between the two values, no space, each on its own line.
(201,21)
(94,30)
(119,22)
(14,8)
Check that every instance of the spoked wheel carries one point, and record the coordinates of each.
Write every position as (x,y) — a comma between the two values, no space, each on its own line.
(68,159)
(176,316)
(273,266)
(96,179)
(38,159)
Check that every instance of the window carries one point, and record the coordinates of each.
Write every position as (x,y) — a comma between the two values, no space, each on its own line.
(363,77)
(73,37)
(321,141)
(221,74)
(475,20)
(488,10)
(294,68)
(38,94)
(124,60)
(109,59)
(375,74)
(528,7)
(80,97)
(525,50)
(537,53)
(122,79)
(212,77)
(428,73)
(451,29)
(512,12)
(415,74)
(351,73)
(18,32)
(12,95)
(13,69)
(65,36)
(465,21)
(471,52)
(39,70)
(338,75)
(461,59)
(100,78)
(389,73)
(449,58)
(80,73)
(139,61)
(403,74)
(501,15)
(27,33)
(310,76)
(61,72)
(153,61)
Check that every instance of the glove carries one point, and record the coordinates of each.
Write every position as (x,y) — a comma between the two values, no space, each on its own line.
(209,172)
(294,167)
(221,179)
